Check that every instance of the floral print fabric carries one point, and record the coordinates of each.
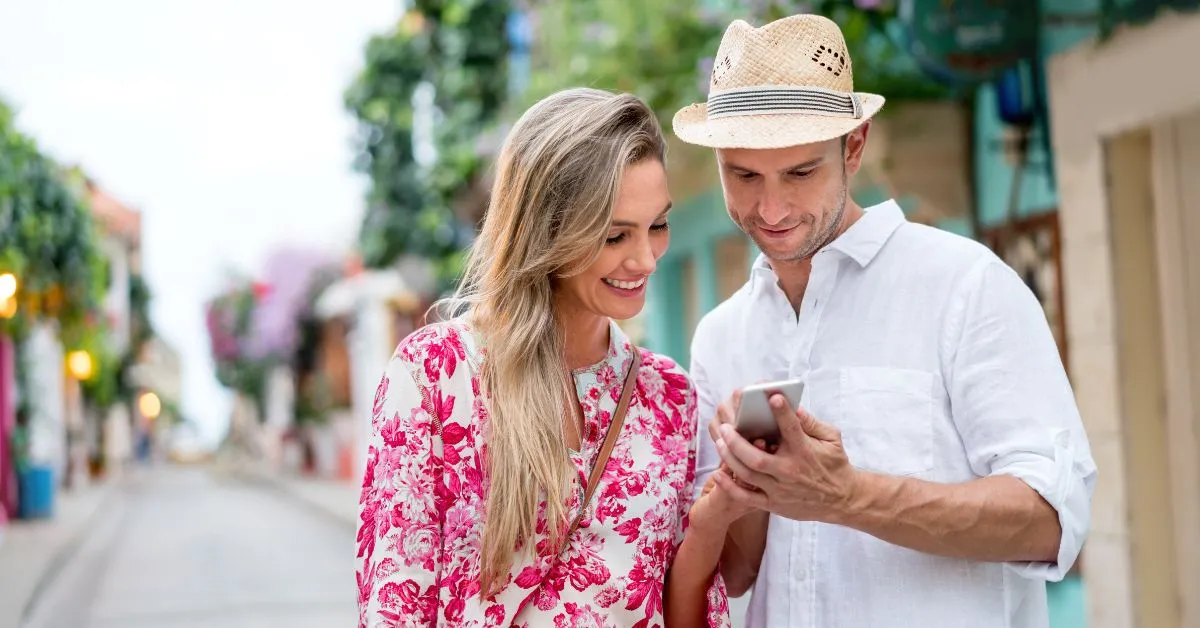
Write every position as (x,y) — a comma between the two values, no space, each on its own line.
(423,497)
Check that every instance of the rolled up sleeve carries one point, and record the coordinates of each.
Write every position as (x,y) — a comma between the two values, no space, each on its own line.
(1013,405)
(707,459)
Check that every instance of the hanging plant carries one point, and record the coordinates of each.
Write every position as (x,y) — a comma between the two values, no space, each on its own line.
(47,238)
(452,53)
(228,318)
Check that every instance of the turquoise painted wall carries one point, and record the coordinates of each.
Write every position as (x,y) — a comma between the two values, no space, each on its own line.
(993,174)
(696,226)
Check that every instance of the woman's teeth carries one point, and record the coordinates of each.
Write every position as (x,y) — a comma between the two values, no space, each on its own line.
(626,285)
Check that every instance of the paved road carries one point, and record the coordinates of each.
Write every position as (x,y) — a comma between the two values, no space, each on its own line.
(188,548)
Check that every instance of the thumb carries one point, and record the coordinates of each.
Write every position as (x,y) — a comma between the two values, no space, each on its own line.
(816,428)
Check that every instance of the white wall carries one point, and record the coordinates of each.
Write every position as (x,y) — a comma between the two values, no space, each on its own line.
(45,361)
(371,346)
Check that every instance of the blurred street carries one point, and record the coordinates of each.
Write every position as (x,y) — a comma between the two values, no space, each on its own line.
(195,546)
(219,219)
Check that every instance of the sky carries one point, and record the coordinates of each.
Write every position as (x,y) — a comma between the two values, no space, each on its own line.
(220,120)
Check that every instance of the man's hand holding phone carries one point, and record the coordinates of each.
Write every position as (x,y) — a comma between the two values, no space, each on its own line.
(727,414)
(754,419)
(807,477)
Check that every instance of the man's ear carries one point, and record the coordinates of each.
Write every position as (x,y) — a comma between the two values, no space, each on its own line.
(856,144)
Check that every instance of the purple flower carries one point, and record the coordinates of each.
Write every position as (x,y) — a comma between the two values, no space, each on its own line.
(288,272)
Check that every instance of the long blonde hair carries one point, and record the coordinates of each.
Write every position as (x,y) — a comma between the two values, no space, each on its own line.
(557,178)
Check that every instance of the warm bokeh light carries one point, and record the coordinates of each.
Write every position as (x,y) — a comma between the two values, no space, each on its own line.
(8,307)
(8,286)
(80,365)
(149,405)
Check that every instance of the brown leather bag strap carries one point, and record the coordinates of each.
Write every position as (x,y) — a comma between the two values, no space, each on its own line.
(610,438)
(610,441)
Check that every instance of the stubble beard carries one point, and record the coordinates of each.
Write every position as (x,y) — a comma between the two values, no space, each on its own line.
(817,240)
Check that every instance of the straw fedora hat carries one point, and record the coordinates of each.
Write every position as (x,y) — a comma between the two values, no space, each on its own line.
(785,84)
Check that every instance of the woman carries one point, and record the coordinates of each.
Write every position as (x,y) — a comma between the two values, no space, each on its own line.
(478,507)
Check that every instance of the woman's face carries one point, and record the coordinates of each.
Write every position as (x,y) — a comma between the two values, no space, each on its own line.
(614,285)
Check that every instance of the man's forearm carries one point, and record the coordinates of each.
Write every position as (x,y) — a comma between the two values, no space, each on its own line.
(743,552)
(997,519)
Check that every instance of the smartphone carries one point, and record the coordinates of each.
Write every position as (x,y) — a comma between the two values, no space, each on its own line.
(754,417)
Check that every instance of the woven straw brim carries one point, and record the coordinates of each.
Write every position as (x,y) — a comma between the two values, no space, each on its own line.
(691,124)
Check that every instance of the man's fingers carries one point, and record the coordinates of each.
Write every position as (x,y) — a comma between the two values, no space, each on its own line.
(748,463)
(791,427)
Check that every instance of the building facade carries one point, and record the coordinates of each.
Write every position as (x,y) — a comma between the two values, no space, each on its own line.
(1126,129)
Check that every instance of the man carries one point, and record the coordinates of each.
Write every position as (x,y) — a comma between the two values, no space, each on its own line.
(936,472)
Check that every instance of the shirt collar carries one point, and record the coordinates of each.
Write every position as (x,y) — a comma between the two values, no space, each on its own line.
(866,237)
(620,352)
(861,242)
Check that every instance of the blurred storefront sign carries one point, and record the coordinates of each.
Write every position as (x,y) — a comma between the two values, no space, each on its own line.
(970,41)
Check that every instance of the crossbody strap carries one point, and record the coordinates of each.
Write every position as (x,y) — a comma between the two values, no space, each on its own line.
(610,439)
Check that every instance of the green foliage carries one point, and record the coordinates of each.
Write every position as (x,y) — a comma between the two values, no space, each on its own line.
(139,302)
(882,65)
(662,50)
(170,410)
(459,48)
(315,399)
(110,382)
(658,49)
(651,48)
(47,238)
(1116,13)
(105,387)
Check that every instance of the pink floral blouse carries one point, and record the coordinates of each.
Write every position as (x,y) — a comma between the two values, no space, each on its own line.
(423,495)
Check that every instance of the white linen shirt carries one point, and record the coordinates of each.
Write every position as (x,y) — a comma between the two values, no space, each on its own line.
(935,361)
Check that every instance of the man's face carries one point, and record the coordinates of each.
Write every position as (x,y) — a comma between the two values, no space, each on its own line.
(790,201)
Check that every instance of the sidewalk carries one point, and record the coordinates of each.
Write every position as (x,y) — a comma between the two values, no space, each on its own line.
(331,498)
(32,550)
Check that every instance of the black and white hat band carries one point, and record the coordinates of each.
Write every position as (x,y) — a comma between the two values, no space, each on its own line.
(772,100)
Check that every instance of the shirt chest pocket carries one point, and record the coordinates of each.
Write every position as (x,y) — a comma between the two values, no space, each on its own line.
(886,418)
